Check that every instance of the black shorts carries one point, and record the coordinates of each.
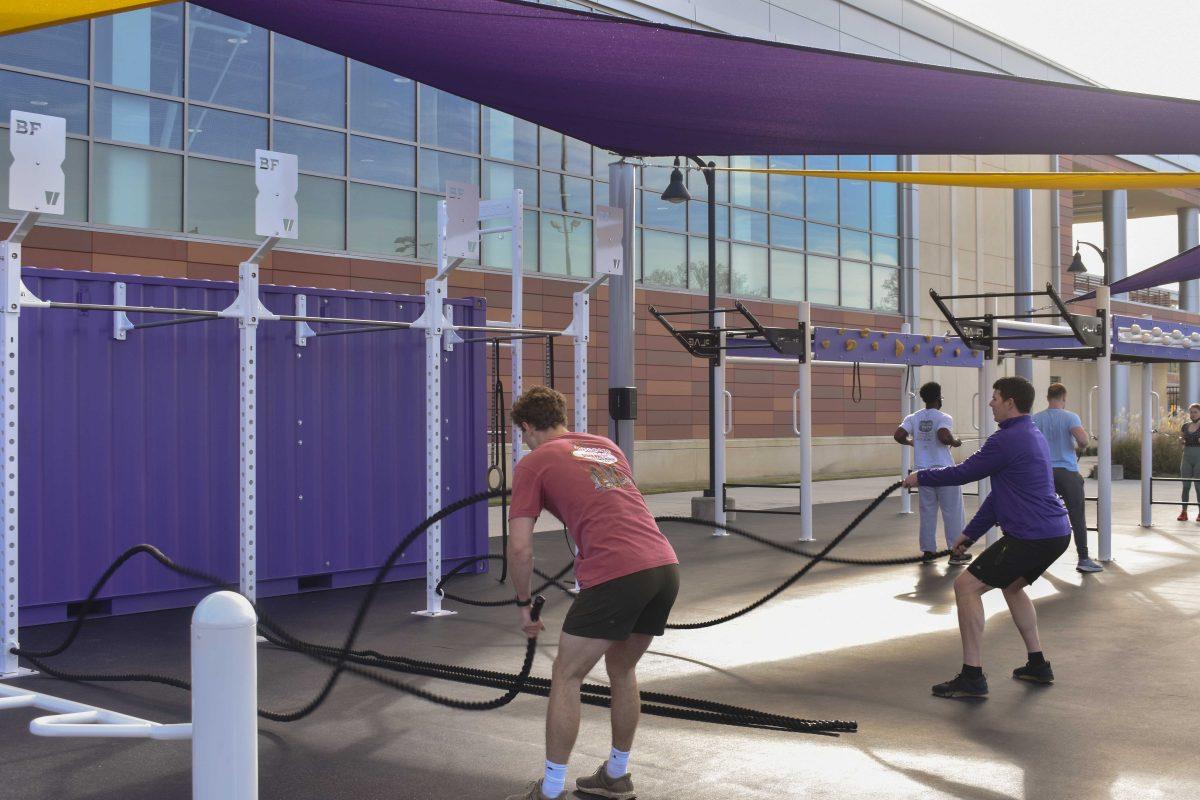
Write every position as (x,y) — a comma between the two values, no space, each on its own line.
(636,603)
(1011,558)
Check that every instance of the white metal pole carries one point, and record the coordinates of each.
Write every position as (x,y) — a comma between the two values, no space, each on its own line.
(906,453)
(1147,440)
(224,699)
(247,380)
(803,414)
(719,430)
(582,322)
(517,240)
(1104,427)
(10,317)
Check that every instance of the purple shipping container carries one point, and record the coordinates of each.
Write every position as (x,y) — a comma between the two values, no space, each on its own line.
(137,441)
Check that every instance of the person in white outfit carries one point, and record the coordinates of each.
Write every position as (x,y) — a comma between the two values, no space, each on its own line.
(930,432)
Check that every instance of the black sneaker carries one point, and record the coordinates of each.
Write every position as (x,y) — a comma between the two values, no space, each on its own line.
(960,560)
(962,686)
(928,557)
(1035,673)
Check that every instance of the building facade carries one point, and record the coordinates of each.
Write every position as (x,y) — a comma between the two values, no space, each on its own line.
(166,105)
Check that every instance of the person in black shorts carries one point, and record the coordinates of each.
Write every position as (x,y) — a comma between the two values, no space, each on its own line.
(1035,527)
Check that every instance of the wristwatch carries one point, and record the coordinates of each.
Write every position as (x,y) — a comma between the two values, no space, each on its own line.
(524,603)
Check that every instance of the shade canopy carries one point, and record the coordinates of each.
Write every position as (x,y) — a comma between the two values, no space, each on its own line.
(1183,267)
(1003,180)
(640,88)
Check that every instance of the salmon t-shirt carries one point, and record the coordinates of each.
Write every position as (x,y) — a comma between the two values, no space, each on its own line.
(585,481)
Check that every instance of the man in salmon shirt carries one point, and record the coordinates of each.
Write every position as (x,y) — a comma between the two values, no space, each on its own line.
(627,571)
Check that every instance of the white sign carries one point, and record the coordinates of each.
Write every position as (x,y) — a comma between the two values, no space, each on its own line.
(462,220)
(610,230)
(36,181)
(275,210)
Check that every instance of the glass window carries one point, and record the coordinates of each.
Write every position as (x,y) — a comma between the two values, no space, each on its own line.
(664,259)
(698,218)
(44,96)
(310,83)
(886,163)
(75,167)
(600,161)
(499,180)
(656,175)
(227,61)
(382,103)
(885,294)
(855,203)
(382,221)
(748,188)
(497,248)
(821,194)
(448,120)
(856,244)
(427,226)
(322,204)
(854,163)
(856,285)
(661,214)
(437,168)
(137,188)
(787,194)
(566,245)
(749,271)
(599,194)
(823,280)
(221,199)
(822,239)
(698,264)
(886,250)
(750,226)
(505,136)
(316,149)
(138,120)
(225,134)
(61,49)
(787,232)
(566,154)
(386,162)
(142,49)
(787,275)
(885,207)
(565,193)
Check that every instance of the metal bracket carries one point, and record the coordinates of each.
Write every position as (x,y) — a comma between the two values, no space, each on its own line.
(247,308)
(450,335)
(121,322)
(303,329)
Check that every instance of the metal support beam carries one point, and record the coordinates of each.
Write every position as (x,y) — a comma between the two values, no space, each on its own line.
(906,452)
(987,423)
(1189,300)
(1023,264)
(1104,431)
(802,420)
(721,428)
(622,193)
(10,493)
(1147,440)
(1116,267)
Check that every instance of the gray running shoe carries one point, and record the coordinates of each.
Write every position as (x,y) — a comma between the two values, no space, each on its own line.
(532,792)
(959,561)
(601,785)
(1087,565)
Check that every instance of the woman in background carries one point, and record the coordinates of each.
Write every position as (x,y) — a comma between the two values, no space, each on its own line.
(1189,465)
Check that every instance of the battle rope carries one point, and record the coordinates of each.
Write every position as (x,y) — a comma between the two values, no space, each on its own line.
(346,659)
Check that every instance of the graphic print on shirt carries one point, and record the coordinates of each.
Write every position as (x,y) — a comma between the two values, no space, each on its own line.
(926,425)
(601,466)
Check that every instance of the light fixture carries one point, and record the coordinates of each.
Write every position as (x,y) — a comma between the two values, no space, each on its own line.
(38,103)
(236,40)
(1077,262)
(676,191)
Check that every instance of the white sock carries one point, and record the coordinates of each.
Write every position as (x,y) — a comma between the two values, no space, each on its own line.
(618,763)
(554,780)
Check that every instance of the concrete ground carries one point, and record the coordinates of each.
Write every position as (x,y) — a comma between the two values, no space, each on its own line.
(846,642)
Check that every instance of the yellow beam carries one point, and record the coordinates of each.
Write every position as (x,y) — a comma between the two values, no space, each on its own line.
(26,15)
(1005,180)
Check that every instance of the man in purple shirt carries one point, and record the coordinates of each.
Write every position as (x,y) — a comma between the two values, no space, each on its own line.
(1031,517)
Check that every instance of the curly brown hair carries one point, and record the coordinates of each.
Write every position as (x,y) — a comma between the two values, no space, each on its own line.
(541,408)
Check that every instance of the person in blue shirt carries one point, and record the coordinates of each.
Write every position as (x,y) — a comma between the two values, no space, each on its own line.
(1064,433)
(1031,518)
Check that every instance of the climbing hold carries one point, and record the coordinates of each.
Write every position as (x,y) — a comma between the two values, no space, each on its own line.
(899,348)
(824,344)
(874,345)
(851,344)
(937,349)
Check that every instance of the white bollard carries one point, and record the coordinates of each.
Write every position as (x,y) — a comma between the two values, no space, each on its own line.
(224,699)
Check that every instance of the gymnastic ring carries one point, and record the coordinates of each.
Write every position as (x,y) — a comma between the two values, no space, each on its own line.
(495,470)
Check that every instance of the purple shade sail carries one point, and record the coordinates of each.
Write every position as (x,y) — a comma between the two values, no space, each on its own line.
(137,441)
(1183,267)
(639,88)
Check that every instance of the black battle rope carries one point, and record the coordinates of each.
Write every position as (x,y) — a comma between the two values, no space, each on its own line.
(550,580)
(345,659)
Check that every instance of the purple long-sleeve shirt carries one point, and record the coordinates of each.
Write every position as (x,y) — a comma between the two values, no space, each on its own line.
(1022,501)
